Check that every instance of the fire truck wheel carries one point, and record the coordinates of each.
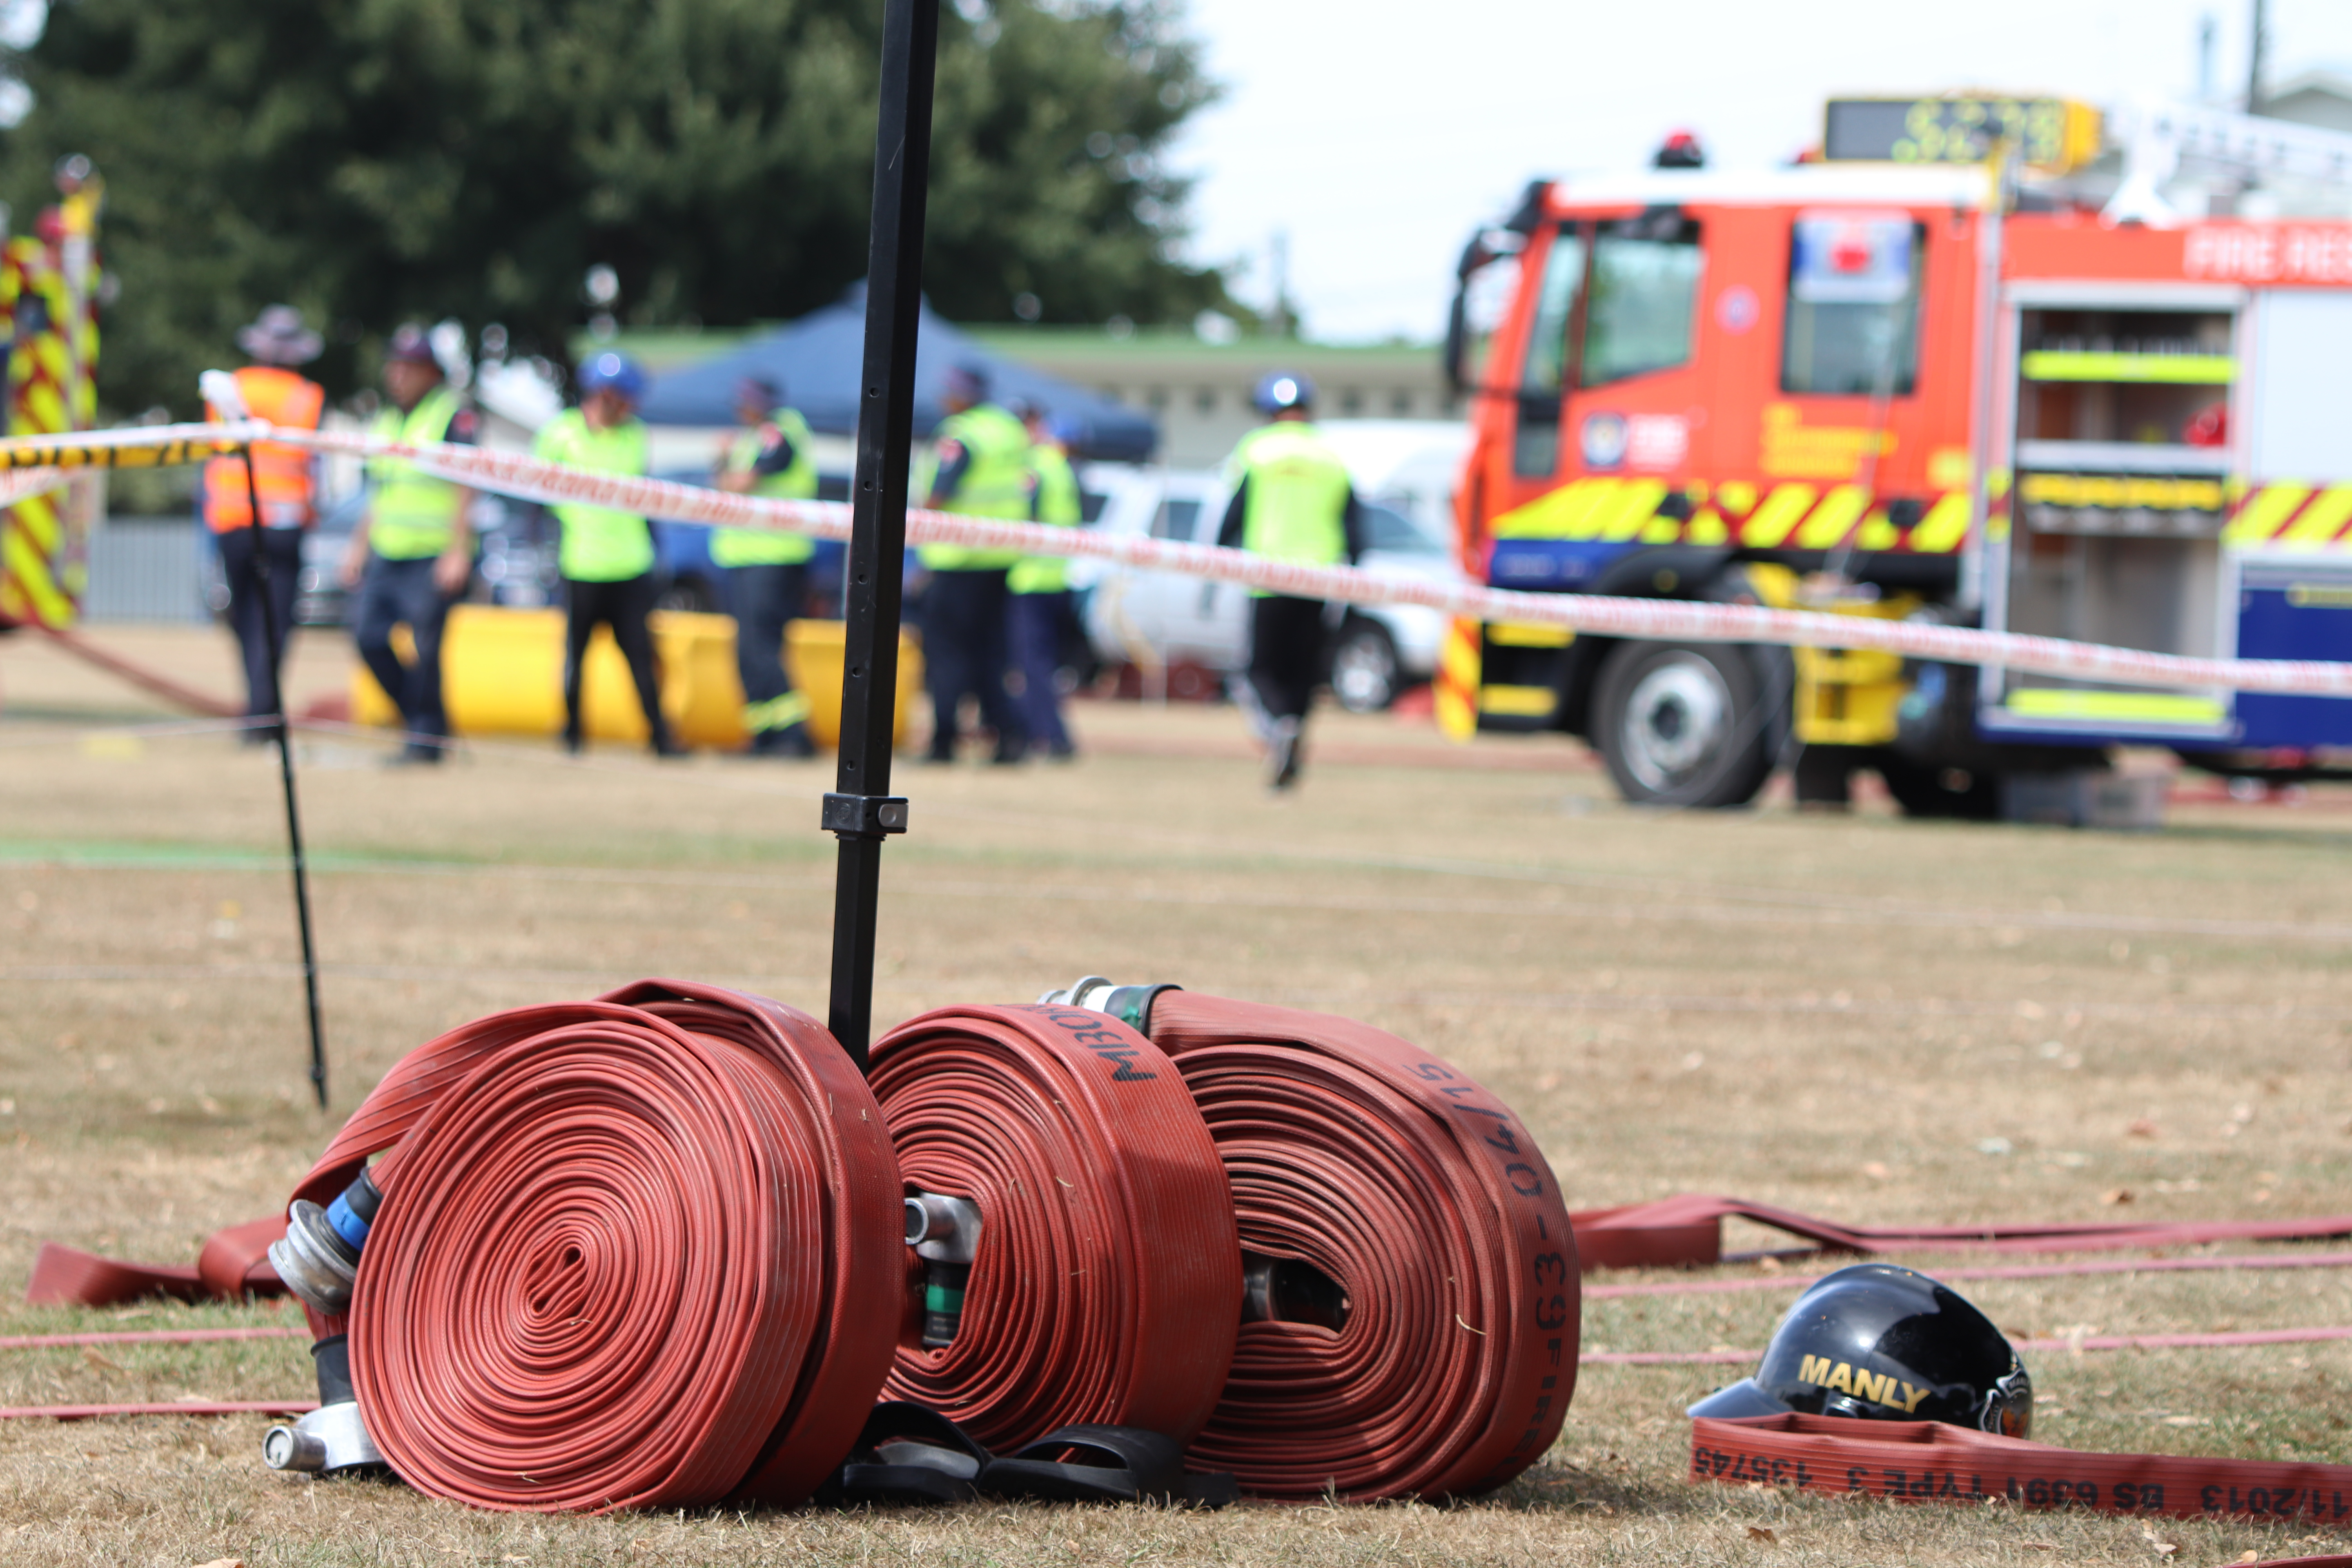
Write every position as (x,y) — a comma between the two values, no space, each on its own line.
(1364,670)
(1682,724)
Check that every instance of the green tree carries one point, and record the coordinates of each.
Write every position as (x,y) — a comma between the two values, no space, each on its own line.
(374,160)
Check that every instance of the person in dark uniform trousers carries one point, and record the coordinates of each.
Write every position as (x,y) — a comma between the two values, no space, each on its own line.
(1292,500)
(413,553)
(606,555)
(767,570)
(1040,586)
(981,468)
(261,557)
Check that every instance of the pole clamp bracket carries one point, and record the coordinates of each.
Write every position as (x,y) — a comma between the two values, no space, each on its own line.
(865,815)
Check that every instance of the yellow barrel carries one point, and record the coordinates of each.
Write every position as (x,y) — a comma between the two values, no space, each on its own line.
(502,674)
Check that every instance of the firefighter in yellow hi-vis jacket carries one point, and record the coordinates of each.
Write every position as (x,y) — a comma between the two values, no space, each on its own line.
(981,469)
(767,570)
(1040,586)
(413,554)
(1291,501)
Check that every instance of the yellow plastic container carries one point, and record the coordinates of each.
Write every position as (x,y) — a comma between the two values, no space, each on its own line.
(502,674)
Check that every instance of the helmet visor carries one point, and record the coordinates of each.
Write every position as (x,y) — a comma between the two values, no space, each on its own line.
(1745,1397)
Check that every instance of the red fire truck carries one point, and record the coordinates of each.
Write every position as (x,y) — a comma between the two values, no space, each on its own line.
(1894,385)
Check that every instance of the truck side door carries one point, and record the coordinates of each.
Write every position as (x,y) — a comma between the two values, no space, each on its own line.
(1637,403)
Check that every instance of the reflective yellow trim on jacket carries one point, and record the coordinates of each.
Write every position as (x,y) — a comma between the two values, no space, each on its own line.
(1296,505)
(600,544)
(1057,503)
(765,546)
(413,516)
(995,483)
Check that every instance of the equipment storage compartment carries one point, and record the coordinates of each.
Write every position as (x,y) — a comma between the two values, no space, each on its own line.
(2118,504)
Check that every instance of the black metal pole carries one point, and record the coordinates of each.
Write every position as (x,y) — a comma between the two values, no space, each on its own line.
(258,584)
(862,811)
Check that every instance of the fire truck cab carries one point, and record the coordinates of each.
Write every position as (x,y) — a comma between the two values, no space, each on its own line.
(1901,390)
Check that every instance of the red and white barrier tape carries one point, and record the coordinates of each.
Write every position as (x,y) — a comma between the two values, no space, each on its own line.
(1651,618)
(514,474)
(23,484)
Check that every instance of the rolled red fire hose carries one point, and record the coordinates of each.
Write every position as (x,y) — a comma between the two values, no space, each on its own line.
(1414,1189)
(1683,1231)
(638,1252)
(1107,1286)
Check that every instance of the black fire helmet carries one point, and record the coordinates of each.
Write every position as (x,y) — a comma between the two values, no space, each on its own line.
(1886,1344)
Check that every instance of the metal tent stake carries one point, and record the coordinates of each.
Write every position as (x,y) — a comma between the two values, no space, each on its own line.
(862,812)
(258,584)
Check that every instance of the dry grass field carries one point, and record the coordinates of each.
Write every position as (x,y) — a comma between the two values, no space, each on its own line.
(1859,1016)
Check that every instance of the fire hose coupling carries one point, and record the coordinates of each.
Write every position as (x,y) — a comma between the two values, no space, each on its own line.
(320,1257)
(1291,1291)
(333,1439)
(945,1233)
(1130,1004)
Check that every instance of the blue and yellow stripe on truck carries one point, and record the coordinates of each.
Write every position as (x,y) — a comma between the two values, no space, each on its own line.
(1565,539)
(1562,538)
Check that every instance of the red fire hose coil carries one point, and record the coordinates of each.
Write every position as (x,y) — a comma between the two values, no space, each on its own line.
(643,1251)
(1419,1193)
(1107,1286)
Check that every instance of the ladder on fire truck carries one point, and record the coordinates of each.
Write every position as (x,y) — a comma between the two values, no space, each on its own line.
(2160,138)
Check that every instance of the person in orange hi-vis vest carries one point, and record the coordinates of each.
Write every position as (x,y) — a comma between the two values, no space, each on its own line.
(284,480)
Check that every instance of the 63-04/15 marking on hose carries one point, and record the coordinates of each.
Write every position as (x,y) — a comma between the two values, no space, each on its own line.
(1552,1272)
(1112,1044)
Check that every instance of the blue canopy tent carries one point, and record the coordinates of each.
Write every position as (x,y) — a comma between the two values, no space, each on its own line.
(818,360)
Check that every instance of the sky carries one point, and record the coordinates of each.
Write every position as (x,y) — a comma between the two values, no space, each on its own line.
(1379,133)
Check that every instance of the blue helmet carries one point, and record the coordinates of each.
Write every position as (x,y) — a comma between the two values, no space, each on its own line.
(1280,390)
(968,380)
(613,372)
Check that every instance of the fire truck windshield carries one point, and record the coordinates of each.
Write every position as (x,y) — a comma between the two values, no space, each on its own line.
(1644,295)
(1563,277)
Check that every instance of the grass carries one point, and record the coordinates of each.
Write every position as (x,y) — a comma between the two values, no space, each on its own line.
(1842,1015)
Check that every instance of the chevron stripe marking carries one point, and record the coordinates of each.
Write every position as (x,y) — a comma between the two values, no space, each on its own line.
(2319,522)
(29,574)
(2265,512)
(1776,516)
(1832,521)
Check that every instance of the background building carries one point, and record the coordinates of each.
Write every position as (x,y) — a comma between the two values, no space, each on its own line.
(1200,391)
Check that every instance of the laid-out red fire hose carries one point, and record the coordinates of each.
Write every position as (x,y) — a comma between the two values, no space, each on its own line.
(233,1265)
(1688,1229)
(1924,1461)
(642,1251)
(1108,1286)
(2258,1262)
(2228,1339)
(1448,1359)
